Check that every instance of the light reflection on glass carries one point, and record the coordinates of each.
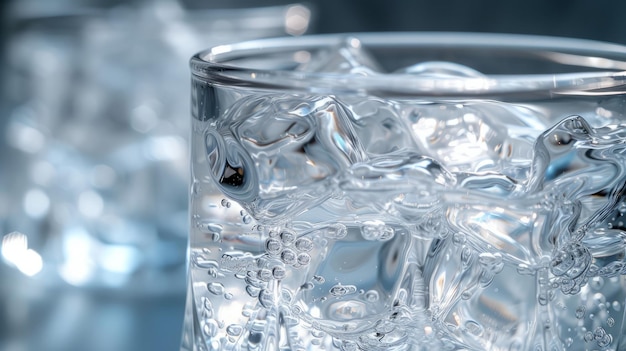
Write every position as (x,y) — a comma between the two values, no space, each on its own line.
(16,253)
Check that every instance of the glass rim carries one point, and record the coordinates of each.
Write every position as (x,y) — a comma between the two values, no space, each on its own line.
(602,65)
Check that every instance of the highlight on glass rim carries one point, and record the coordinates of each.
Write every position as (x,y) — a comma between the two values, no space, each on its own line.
(403,191)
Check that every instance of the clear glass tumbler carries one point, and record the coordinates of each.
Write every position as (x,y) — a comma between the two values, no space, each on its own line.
(408,191)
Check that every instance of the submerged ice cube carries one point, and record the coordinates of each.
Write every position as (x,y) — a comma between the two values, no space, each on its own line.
(460,136)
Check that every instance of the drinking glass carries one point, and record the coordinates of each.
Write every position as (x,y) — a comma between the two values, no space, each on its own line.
(408,191)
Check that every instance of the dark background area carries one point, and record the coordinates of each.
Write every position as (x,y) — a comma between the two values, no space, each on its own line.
(113,320)
(600,20)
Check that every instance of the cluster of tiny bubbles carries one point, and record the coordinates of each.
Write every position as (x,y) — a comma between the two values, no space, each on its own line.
(571,263)
(289,248)
(600,336)
(613,269)
(376,230)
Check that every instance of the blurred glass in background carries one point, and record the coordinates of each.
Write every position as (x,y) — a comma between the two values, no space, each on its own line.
(94,163)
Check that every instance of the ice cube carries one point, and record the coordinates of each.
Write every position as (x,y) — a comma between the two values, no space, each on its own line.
(460,136)
(349,56)
(476,136)
(278,155)
(380,127)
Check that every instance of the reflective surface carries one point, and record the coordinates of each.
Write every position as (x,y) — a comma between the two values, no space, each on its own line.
(408,191)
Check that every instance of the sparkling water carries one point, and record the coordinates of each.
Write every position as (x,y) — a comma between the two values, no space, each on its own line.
(355,222)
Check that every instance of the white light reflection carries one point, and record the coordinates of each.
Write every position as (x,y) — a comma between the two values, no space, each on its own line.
(78,249)
(297,20)
(16,253)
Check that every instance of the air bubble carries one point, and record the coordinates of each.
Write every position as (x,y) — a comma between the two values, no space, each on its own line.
(319,279)
(303,259)
(287,237)
(474,328)
(580,312)
(304,244)
(266,299)
(466,295)
(599,333)
(336,231)
(246,219)
(279,272)
(215,288)
(288,256)
(605,340)
(616,306)
(376,230)
(341,290)
(264,274)
(208,308)
(252,291)
(273,246)
(371,296)
(234,330)
(210,328)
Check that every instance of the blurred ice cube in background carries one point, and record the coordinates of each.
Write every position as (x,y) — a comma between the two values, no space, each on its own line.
(94,164)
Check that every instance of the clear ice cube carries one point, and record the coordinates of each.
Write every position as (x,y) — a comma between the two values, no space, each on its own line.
(287,154)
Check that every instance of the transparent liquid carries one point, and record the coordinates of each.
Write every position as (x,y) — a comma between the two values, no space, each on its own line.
(356,223)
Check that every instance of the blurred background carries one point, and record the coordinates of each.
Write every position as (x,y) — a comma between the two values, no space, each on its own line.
(93,144)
